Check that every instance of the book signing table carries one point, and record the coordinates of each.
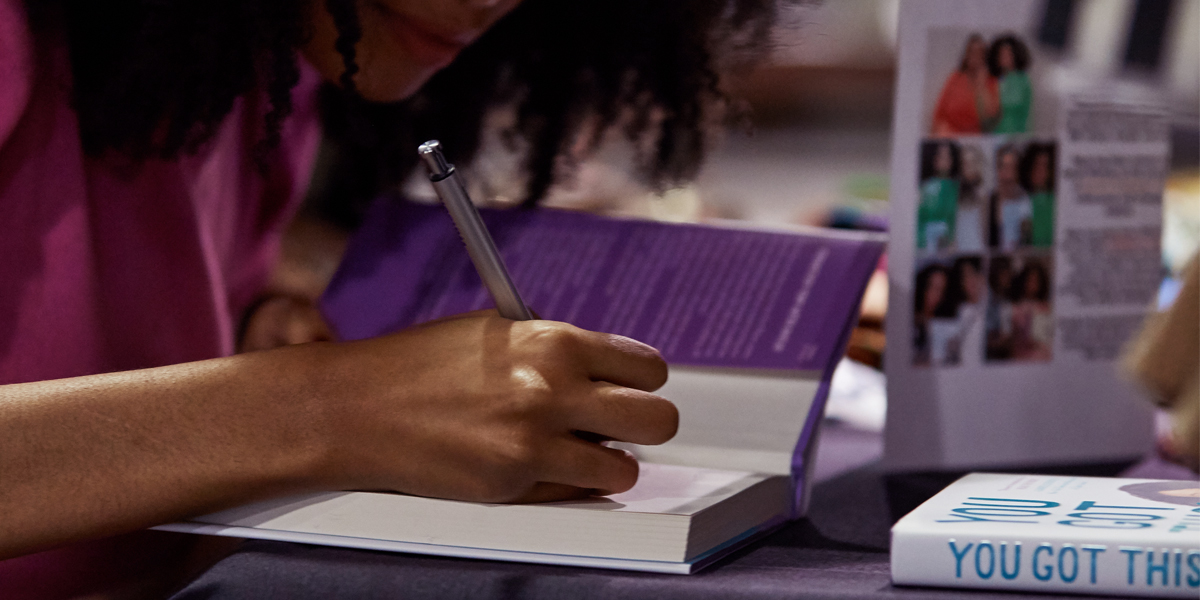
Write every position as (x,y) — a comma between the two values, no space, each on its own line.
(1004,344)
(839,551)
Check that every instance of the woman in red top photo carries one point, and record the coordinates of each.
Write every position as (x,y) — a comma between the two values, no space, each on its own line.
(970,99)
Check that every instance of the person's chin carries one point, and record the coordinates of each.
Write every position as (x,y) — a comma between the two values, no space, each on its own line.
(396,62)
(392,86)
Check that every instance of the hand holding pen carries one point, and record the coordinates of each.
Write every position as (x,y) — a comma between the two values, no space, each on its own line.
(489,407)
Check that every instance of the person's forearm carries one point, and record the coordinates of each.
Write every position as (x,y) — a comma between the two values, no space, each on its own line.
(475,408)
(93,456)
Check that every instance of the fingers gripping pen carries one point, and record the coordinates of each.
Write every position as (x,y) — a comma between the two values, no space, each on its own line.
(480,246)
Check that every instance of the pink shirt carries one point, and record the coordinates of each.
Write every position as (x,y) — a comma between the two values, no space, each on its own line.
(105,267)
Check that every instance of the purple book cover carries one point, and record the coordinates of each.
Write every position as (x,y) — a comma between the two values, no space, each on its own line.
(703,295)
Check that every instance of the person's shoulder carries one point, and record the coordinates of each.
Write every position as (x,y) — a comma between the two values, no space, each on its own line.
(16,64)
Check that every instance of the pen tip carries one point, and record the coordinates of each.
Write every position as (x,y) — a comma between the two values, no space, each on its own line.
(429,147)
(431,153)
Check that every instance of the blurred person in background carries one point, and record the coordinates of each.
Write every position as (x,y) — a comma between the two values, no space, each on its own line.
(971,214)
(1000,308)
(932,308)
(969,292)
(1032,322)
(939,194)
(969,103)
(1011,209)
(1008,60)
(1165,359)
(1037,177)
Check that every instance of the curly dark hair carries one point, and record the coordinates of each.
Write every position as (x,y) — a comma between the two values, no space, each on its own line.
(155,78)
(1001,266)
(1025,168)
(929,151)
(1034,269)
(1019,50)
(959,280)
(945,306)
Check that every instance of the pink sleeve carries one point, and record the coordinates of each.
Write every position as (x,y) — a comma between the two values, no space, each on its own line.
(15,65)
(283,191)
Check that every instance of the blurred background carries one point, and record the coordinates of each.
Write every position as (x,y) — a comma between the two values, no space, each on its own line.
(821,113)
(815,149)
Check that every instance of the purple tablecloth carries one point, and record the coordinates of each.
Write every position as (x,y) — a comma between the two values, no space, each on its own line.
(839,551)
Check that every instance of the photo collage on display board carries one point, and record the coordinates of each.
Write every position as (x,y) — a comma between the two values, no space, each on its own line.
(982,287)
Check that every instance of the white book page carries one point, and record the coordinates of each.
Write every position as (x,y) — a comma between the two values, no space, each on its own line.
(649,522)
(736,419)
(661,489)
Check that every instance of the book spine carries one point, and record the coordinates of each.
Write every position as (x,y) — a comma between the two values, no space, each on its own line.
(1130,567)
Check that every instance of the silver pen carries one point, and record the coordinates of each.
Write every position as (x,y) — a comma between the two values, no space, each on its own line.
(480,246)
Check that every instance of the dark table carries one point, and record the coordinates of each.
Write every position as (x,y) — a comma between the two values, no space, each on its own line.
(839,551)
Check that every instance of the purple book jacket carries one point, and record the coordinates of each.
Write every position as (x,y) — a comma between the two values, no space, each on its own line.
(703,295)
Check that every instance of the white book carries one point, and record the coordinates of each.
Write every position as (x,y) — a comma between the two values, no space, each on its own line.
(726,477)
(672,519)
(1085,535)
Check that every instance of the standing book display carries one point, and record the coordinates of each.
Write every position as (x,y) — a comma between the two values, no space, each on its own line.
(1024,250)
(750,322)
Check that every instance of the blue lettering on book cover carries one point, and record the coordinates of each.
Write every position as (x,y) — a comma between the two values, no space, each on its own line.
(1112,517)
(1069,563)
(1072,563)
(1167,570)
(990,509)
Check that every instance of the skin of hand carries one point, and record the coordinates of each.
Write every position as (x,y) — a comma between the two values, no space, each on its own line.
(287,315)
(475,407)
(283,320)
(492,407)
(286,312)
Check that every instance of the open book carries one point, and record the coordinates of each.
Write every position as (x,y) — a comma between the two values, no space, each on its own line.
(751,323)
